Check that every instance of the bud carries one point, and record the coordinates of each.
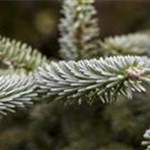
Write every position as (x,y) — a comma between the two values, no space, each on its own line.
(134,72)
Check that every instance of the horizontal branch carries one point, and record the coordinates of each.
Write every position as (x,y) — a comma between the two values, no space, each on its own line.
(16,91)
(104,78)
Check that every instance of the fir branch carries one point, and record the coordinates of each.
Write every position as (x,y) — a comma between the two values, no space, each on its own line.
(103,78)
(146,142)
(14,54)
(79,30)
(16,91)
(135,44)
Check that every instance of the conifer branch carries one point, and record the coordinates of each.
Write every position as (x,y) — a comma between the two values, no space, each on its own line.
(16,91)
(14,54)
(104,78)
(146,142)
(133,44)
(79,30)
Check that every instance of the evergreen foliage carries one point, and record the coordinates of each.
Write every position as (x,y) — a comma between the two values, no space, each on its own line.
(105,79)
(17,55)
(18,87)
(134,44)
(79,30)
(147,139)
(16,91)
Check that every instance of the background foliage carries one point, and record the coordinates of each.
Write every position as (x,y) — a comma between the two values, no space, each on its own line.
(73,127)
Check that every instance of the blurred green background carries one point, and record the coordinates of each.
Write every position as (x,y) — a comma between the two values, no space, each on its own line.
(57,127)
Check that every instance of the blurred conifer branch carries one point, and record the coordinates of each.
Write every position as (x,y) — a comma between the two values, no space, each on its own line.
(79,30)
(17,55)
(146,142)
(133,44)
